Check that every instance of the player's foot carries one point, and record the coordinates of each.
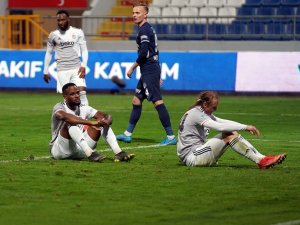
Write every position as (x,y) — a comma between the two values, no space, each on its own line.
(270,161)
(123,157)
(124,138)
(167,141)
(95,157)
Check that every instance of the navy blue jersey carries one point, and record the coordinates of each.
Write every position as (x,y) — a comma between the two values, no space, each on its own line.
(147,45)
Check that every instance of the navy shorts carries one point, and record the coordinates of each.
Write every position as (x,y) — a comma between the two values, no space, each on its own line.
(148,86)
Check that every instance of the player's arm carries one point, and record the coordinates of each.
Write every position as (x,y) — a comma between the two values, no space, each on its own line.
(47,59)
(230,126)
(143,52)
(103,118)
(74,120)
(131,69)
(84,55)
(250,128)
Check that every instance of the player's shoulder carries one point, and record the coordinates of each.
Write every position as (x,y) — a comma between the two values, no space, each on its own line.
(146,27)
(54,33)
(76,30)
(59,106)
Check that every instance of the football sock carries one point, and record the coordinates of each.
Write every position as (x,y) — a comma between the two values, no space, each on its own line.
(134,117)
(110,138)
(243,147)
(164,118)
(127,133)
(170,137)
(77,136)
(83,98)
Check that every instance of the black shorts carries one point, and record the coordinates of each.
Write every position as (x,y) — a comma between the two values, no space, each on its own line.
(148,86)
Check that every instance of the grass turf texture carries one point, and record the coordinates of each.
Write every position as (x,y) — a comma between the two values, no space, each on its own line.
(154,188)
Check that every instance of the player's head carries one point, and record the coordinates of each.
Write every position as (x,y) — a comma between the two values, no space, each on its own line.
(63,19)
(140,13)
(71,94)
(208,100)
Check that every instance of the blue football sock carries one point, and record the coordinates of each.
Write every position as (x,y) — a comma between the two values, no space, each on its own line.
(134,117)
(164,118)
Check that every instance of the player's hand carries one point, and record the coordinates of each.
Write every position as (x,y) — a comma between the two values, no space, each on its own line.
(129,73)
(81,72)
(106,120)
(47,78)
(253,130)
(161,82)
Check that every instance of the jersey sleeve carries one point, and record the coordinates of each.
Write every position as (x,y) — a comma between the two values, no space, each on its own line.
(48,54)
(90,111)
(58,107)
(83,47)
(223,125)
(144,45)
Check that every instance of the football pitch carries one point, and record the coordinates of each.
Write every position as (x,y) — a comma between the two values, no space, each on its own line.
(154,188)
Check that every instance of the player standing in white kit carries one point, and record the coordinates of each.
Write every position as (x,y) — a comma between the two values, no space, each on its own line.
(69,45)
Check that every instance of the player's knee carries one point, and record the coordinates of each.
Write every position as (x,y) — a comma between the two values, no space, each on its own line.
(136,101)
(228,136)
(157,103)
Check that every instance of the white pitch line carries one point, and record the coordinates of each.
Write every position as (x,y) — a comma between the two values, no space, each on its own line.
(293,222)
(134,147)
(104,150)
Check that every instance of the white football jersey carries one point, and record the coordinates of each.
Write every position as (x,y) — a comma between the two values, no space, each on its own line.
(67,45)
(83,111)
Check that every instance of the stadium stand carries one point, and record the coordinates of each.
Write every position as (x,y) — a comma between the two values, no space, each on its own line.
(211,19)
(229,19)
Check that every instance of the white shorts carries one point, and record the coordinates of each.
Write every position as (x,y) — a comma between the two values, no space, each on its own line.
(67,148)
(207,154)
(69,76)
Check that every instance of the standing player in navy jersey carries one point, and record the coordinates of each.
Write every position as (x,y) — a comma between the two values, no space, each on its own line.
(148,86)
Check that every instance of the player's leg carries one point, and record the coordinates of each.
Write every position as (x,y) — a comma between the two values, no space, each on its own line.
(207,154)
(151,84)
(63,77)
(135,113)
(243,147)
(109,136)
(81,84)
(78,145)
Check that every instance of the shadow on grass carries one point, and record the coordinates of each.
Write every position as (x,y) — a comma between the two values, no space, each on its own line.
(145,140)
(222,166)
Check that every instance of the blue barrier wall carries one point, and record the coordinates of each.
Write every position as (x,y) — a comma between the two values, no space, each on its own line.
(180,71)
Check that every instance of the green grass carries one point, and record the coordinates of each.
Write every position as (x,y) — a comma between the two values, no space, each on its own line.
(154,188)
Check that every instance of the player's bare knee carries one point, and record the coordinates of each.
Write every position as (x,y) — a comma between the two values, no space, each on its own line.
(228,136)
(157,103)
(136,101)
(94,133)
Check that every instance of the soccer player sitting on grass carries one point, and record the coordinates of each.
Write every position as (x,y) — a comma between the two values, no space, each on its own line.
(69,138)
(193,148)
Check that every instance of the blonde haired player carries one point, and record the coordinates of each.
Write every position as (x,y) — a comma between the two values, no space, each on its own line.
(193,148)
(69,45)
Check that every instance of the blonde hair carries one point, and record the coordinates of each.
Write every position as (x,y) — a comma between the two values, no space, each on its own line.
(205,97)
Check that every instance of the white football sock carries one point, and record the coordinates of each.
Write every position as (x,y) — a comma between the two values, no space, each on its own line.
(127,133)
(83,98)
(110,138)
(243,147)
(77,136)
